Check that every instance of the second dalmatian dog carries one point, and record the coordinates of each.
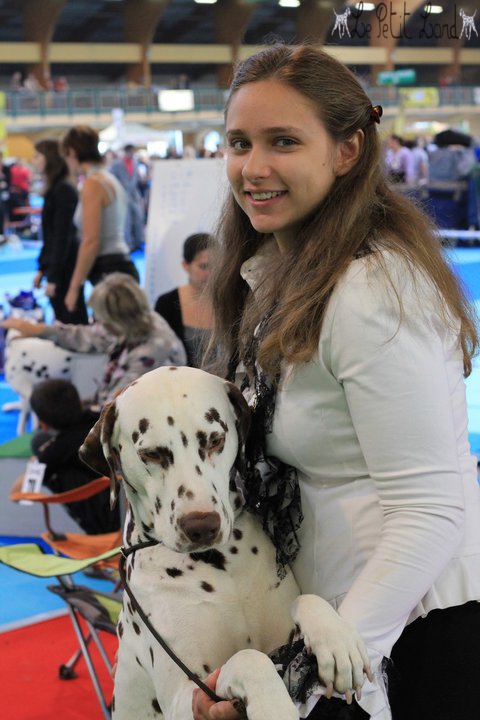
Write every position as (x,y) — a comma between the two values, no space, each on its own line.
(210,587)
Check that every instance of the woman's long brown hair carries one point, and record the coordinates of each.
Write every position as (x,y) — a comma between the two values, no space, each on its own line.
(360,214)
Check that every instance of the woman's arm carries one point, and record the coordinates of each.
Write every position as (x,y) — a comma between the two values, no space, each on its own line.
(93,198)
(399,377)
(63,204)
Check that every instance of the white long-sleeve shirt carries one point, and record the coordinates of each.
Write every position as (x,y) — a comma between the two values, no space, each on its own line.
(376,425)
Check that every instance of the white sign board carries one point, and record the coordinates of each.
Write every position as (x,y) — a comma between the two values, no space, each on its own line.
(186,197)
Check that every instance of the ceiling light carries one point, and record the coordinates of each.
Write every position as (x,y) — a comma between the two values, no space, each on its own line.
(206,2)
(366,6)
(289,3)
(433,9)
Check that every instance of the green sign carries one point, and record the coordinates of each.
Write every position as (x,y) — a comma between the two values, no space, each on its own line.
(396,77)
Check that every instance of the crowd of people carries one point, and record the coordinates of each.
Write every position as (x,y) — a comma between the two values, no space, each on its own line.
(330,303)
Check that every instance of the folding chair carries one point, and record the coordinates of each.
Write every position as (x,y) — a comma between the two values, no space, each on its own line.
(75,545)
(99,610)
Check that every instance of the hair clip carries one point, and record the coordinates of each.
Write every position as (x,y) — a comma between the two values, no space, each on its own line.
(376,112)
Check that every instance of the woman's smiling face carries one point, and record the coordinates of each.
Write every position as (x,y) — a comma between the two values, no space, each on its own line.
(280,159)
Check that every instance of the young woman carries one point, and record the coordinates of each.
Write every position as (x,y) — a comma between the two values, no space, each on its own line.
(100,216)
(58,256)
(188,309)
(134,337)
(332,290)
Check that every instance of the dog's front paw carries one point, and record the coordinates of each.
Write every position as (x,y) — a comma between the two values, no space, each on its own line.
(340,651)
(251,678)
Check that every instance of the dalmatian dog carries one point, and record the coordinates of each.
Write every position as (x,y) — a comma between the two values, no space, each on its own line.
(28,361)
(341,23)
(468,24)
(210,586)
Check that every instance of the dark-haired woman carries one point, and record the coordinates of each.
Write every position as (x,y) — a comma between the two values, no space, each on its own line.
(100,216)
(188,309)
(58,256)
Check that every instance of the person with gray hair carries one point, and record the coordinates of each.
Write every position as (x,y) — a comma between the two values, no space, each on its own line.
(135,338)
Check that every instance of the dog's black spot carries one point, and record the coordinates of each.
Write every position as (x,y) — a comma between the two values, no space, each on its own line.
(202,454)
(171,518)
(210,557)
(214,500)
(170,420)
(199,472)
(255,550)
(181,491)
(174,572)
(190,495)
(138,661)
(234,550)
(212,415)
(129,531)
(143,425)
(237,534)
(190,567)
(206,586)
(158,505)
(202,438)
(135,436)
(172,505)
(120,629)
(136,628)
(152,657)
(206,669)
(156,706)
(27,368)
(214,487)
(129,608)
(184,439)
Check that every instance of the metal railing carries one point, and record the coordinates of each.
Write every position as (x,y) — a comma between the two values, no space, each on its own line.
(103,100)
(100,101)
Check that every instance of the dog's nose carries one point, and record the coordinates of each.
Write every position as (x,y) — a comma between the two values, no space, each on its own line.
(201,528)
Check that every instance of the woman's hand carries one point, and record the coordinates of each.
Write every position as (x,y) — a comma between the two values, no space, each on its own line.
(50,289)
(37,279)
(204,708)
(71,298)
(24,327)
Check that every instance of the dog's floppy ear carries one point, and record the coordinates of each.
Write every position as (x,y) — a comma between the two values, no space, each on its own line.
(97,451)
(243,418)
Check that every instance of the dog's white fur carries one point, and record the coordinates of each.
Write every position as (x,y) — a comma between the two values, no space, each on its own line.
(172,437)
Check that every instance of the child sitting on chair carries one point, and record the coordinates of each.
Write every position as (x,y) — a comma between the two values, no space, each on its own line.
(63,426)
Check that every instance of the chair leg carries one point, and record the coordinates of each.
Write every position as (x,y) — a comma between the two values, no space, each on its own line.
(88,660)
(66,671)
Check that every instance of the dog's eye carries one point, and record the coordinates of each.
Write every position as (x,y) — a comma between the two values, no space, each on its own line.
(216,443)
(161,456)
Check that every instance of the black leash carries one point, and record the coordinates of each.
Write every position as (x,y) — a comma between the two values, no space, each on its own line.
(126,551)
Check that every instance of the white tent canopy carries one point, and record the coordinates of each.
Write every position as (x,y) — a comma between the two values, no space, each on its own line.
(115,136)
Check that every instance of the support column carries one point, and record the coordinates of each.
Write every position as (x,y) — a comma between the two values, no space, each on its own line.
(314,20)
(231,19)
(39,26)
(140,18)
